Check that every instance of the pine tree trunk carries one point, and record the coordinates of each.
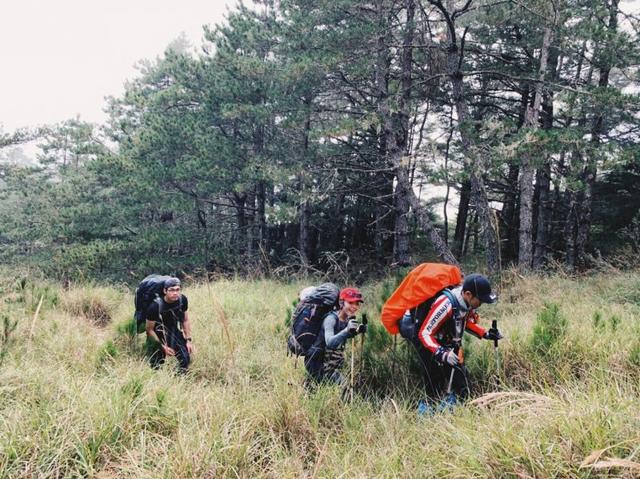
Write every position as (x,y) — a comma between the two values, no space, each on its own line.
(543,183)
(461,221)
(304,208)
(543,176)
(590,170)
(250,215)
(525,244)
(401,250)
(239,201)
(261,199)
(383,220)
(474,162)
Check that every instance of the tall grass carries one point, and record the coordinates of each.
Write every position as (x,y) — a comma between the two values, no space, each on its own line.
(78,399)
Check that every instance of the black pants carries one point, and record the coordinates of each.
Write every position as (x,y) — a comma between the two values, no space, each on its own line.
(316,372)
(175,340)
(437,375)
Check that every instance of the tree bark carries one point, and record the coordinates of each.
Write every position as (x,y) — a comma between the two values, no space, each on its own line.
(543,176)
(461,221)
(239,201)
(543,184)
(304,208)
(590,170)
(261,199)
(401,249)
(525,244)
(384,221)
(402,253)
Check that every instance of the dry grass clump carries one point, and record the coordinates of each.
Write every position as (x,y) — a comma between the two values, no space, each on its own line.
(96,304)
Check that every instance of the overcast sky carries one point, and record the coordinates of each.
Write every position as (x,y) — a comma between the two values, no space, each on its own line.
(60,58)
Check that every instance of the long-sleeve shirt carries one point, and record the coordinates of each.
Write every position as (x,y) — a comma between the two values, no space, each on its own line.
(335,333)
(439,326)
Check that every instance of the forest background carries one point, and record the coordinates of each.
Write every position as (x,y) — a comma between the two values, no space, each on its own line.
(306,136)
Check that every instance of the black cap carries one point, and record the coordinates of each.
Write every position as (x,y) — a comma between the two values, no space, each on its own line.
(168,283)
(480,287)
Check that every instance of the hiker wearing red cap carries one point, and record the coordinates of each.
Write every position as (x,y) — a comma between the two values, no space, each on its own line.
(326,357)
(440,333)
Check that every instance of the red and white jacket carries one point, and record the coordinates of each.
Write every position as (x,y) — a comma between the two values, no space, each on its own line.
(438,327)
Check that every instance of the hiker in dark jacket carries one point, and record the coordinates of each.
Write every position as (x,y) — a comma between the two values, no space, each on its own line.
(325,358)
(440,334)
(168,327)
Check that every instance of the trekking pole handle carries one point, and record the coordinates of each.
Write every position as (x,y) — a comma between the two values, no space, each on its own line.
(494,325)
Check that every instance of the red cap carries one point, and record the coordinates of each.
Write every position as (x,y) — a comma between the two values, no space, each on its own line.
(351,294)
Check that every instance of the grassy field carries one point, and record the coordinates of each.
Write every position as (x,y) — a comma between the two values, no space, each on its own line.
(78,400)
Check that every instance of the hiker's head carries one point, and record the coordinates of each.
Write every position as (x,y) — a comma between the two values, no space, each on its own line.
(350,299)
(476,289)
(172,290)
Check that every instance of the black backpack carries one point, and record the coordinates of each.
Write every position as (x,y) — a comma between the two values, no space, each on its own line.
(307,317)
(150,289)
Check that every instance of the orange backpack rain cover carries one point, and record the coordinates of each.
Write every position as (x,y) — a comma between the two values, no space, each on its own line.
(422,282)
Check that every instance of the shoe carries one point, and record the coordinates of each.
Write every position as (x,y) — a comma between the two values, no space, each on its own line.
(424,409)
(448,403)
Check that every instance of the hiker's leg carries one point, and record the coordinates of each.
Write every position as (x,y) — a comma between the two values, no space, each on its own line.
(182,353)
(313,365)
(154,353)
(334,377)
(433,372)
(460,384)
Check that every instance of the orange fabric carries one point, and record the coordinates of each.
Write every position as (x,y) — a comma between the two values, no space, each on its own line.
(420,284)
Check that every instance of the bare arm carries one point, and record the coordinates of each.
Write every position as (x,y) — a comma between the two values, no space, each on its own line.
(186,330)
(152,334)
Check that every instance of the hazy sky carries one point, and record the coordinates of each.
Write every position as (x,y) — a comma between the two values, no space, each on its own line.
(60,58)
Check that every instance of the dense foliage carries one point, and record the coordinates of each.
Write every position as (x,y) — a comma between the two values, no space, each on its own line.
(310,133)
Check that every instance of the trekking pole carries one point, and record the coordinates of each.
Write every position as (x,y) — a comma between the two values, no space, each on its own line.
(494,325)
(450,398)
(453,370)
(365,320)
(353,351)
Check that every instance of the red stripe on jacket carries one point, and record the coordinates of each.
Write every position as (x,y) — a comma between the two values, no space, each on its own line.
(439,314)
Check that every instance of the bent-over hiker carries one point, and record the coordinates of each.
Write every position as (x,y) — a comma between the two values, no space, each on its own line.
(168,327)
(326,357)
(440,334)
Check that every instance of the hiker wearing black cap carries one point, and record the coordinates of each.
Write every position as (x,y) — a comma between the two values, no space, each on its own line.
(325,358)
(168,327)
(440,335)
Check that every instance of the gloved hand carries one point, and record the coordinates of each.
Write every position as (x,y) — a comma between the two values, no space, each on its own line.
(447,356)
(493,335)
(352,327)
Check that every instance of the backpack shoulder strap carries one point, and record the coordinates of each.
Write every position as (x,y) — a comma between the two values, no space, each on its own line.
(455,305)
(160,303)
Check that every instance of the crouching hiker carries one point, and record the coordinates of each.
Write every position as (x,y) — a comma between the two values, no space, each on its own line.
(440,334)
(325,358)
(168,327)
